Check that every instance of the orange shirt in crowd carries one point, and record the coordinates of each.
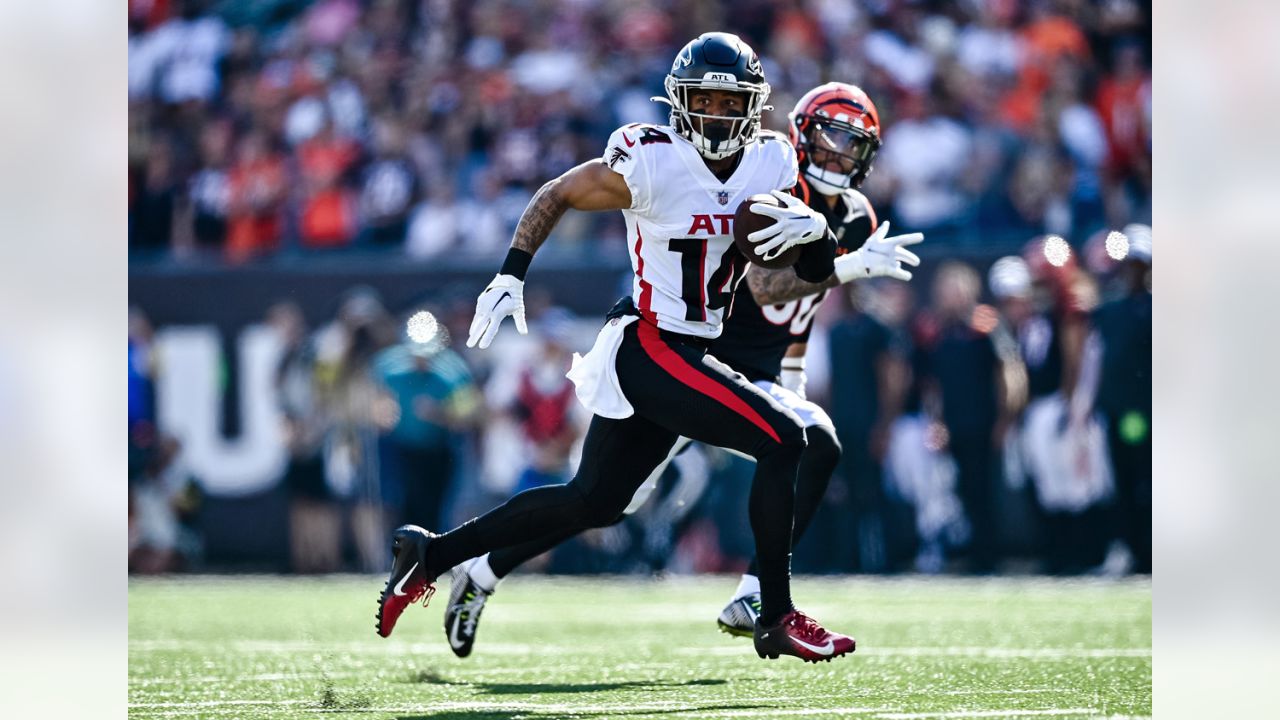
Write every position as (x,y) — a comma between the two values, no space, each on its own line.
(257,189)
(328,211)
(1044,43)
(1121,105)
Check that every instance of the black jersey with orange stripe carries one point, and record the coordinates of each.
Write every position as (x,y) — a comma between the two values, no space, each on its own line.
(756,338)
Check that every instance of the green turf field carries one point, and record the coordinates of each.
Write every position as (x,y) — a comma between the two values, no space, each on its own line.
(260,647)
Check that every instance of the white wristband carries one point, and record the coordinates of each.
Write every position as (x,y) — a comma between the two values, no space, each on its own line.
(850,267)
(793,363)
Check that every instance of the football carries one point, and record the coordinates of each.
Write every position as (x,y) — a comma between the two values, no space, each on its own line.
(746,222)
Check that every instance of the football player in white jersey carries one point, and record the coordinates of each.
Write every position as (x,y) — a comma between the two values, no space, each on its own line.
(835,129)
(649,379)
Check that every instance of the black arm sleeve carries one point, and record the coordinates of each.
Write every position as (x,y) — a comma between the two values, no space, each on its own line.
(817,259)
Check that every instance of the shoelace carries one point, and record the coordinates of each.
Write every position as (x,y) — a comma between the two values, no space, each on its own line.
(808,628)
(424,594)
(469,609)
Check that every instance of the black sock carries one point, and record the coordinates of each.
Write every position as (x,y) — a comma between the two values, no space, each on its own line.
(452,548)
(775,600)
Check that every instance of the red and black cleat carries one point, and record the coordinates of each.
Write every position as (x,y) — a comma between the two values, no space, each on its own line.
(409,581)
(800,635)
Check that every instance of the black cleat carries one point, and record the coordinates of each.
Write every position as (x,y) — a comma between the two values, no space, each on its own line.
(408,582)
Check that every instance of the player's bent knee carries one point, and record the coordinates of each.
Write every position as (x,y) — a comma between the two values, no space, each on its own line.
(823,444)
(792,437)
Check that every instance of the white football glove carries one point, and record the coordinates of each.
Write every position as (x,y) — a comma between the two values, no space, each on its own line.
(792,376)
(503,297)
(796,224)
(880,256)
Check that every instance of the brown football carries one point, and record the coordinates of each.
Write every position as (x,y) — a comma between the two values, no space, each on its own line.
(746,222)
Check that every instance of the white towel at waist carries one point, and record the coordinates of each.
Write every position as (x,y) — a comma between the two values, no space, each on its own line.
(595,376)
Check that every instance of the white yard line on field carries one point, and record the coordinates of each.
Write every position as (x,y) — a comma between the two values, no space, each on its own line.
(295,646)
(999,652)
(1084,711)
(211,703)
(987,652)
(666,707)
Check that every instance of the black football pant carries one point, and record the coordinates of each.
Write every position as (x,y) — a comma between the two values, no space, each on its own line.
(676,389)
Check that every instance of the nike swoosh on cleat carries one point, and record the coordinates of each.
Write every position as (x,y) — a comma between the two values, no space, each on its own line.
(820,649)
(398,590)
(454,641)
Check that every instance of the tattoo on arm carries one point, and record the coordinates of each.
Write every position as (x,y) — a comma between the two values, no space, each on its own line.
(539,218)
(770,287)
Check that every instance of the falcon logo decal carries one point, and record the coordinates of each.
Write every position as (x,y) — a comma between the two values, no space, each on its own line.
(618,155)
(684,59)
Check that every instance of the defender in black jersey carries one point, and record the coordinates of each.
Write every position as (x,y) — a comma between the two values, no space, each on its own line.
(763,340)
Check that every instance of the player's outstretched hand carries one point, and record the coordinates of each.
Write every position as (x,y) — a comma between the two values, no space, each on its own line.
(880,256)
(503,297)
(796,224)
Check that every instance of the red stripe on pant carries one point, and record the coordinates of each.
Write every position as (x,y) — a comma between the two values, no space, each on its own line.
(680,369)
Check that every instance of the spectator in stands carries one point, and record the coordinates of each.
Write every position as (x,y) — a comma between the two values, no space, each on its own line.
(328,206)
(434,399)
(1062,443)
(315,523)
(436,225)
(209,191)
(257,186)
(925,156)
(971,375)
(541,400)
(164,501)
(143,423)
(1124,393)
(349,396)
(151,214)
(388,186)
(867,394)
(1124,104)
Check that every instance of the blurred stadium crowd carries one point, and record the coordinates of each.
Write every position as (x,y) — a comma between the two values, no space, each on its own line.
(995,416)
(268,127)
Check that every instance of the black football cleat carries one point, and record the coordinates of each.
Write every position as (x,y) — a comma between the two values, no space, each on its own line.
(466,602)
(739,617)
(408,582)
(799,635)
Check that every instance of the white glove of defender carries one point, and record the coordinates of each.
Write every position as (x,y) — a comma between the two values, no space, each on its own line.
(792,376)
(880,256)
(796,224)
(503,297)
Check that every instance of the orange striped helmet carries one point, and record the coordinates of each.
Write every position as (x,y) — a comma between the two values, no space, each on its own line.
(836,132)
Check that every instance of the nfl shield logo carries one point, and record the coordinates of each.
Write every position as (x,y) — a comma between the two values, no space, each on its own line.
(722,197)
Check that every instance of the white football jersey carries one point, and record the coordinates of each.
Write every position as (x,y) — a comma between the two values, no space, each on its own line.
(680,223)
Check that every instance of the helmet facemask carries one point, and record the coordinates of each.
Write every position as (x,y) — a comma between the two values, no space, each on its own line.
(716,136)
(835,155)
